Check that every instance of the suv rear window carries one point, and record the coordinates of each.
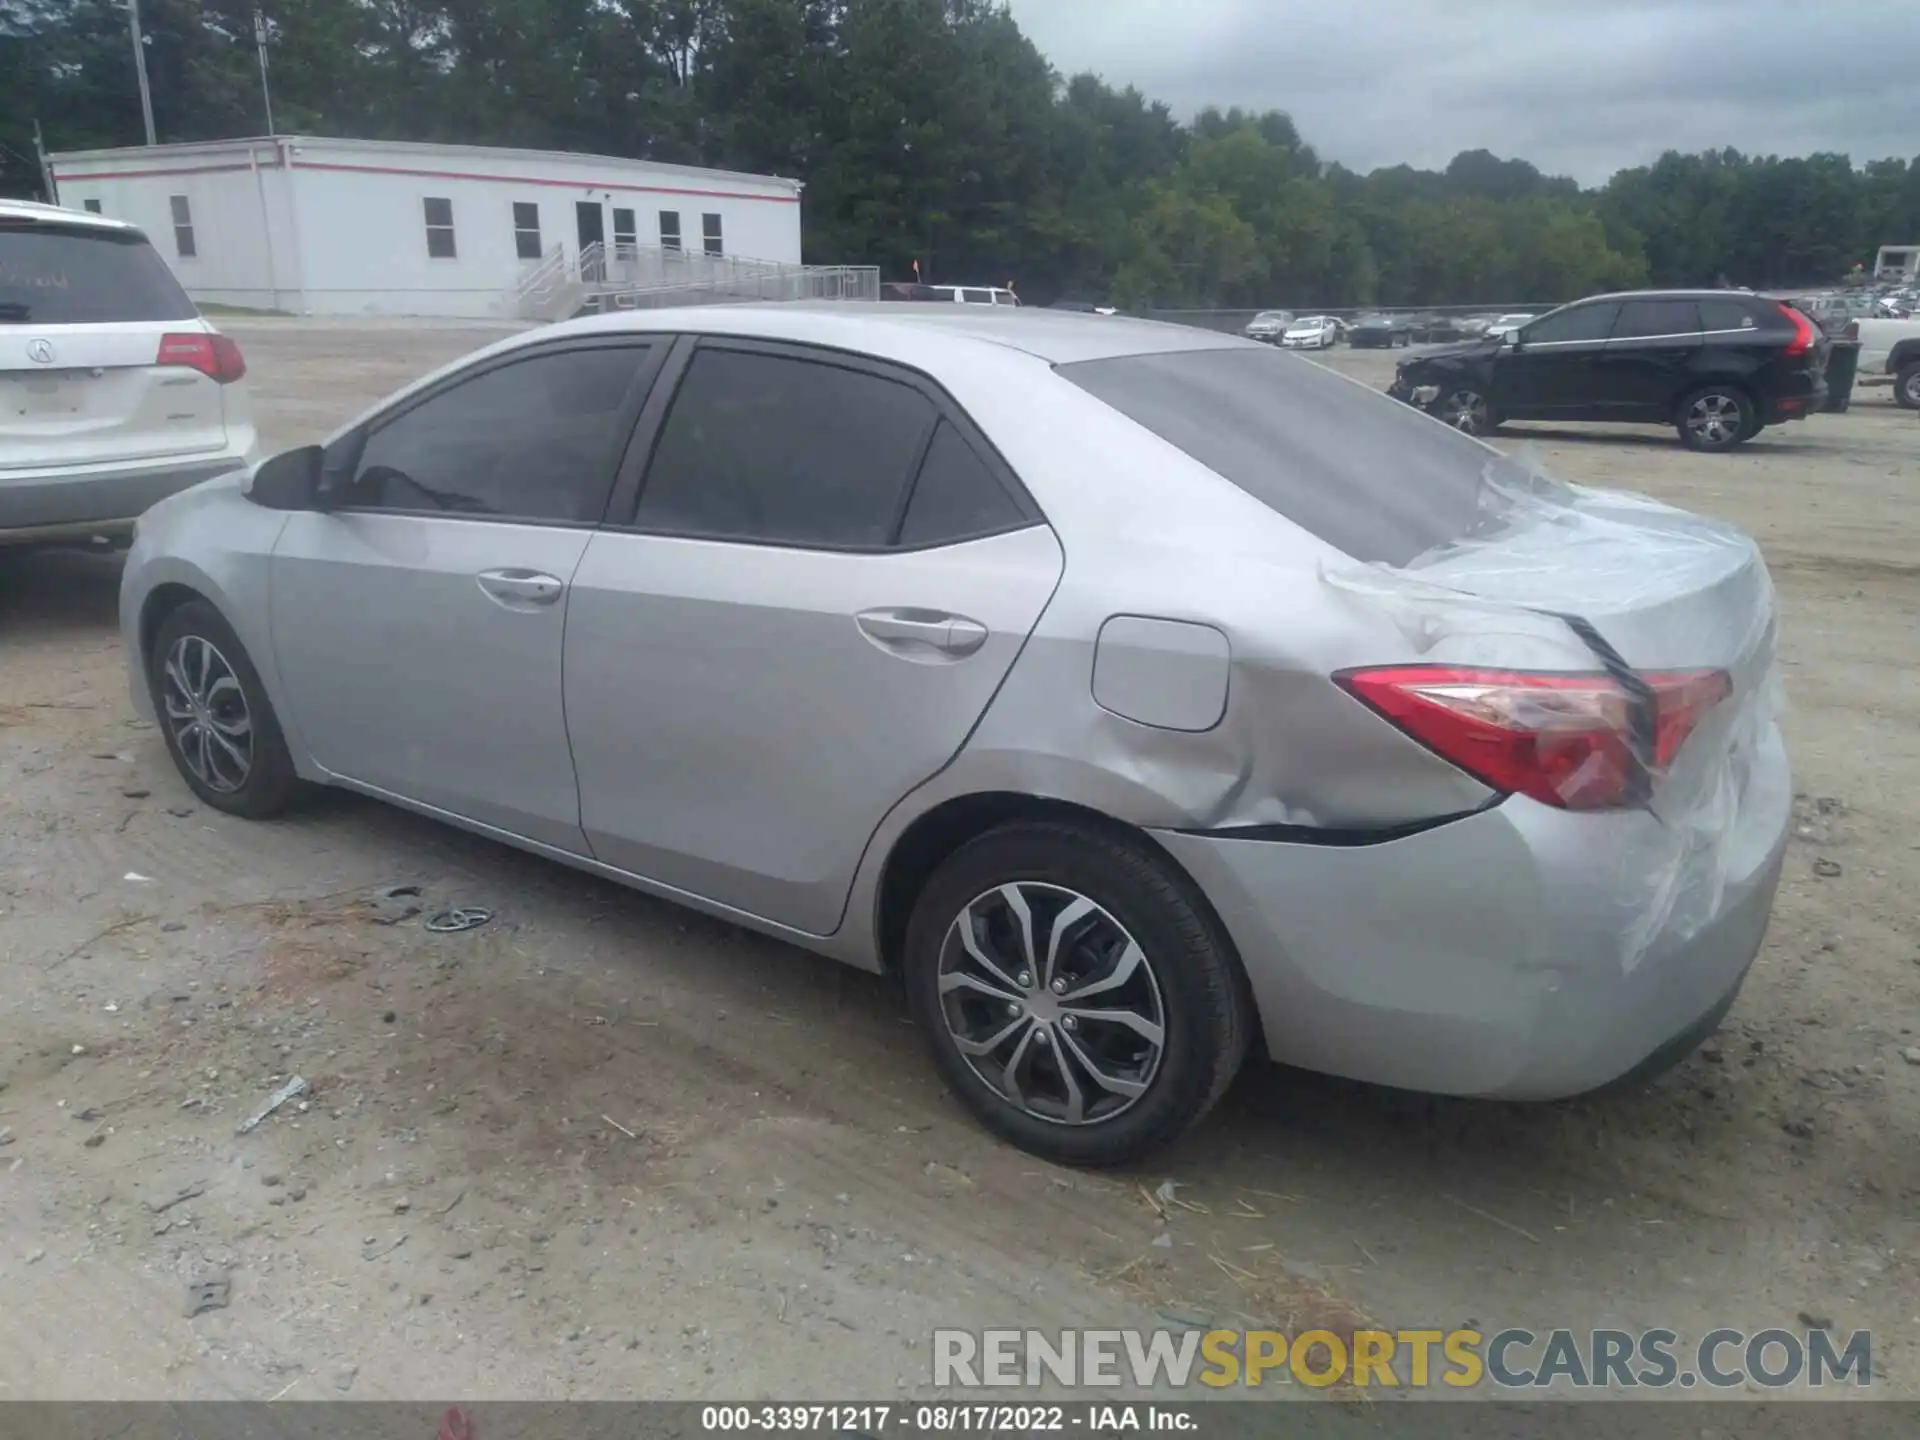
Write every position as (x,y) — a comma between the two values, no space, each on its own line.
(70,275)
(1374,477)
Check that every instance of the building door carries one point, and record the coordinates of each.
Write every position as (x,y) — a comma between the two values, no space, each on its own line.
(592,224)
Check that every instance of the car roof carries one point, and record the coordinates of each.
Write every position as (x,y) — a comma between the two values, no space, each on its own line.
(59,215)
(1704,293)
(1059,337)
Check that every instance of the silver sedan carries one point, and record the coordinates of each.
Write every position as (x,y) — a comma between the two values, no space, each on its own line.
(1144,697)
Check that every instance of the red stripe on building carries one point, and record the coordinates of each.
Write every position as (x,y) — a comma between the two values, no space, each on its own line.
(530,180)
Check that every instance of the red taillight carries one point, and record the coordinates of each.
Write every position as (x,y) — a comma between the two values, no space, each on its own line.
(1564,740)
(1803,331)
(214,356)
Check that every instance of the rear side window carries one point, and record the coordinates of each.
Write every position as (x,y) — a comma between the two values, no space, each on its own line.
(1368,475)
(1655,319)
(784,451)
(956,496)
(1726,315)
(52,275)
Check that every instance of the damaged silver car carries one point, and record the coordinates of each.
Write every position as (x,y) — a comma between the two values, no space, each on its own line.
(1144,697)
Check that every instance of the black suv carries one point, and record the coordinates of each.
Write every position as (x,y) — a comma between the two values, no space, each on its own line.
(1717,365)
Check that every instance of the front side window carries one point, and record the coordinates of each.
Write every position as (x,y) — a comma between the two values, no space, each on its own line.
(183,242)
(1657,319)
(537,439)
(669,229)
(785,451)
(976,297)
(526,230)
(1576,322)
(439,213)
(710,234)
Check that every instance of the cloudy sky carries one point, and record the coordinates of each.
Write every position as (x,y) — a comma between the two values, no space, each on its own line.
(1579,87)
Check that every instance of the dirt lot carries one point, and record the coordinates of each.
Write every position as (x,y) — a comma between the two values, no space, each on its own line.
(606,1148)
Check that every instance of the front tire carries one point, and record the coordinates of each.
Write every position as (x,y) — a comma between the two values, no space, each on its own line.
(1906,386)
(1466,410)
(212,709)
(1076,991)
(1715,419)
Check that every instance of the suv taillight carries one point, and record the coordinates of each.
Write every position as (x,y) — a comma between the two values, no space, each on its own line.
(1804,334)
(214,356)
(1564,740)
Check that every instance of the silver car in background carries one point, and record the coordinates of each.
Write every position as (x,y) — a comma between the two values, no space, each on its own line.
(1268,326)
(1143,696)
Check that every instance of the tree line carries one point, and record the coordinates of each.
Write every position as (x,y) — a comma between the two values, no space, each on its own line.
(933,130)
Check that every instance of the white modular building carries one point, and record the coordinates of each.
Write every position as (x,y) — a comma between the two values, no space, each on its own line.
(371,227)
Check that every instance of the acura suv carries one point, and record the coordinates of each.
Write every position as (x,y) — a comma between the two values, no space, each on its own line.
(114,392)
(1717,365)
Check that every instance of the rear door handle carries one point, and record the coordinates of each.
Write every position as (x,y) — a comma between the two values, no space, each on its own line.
(521,587)
(901,630)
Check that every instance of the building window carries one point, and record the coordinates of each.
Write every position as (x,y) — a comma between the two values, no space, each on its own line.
(182,227)
(439,228)
(93,206)
(626,237)
(669,229)
(710,234)
(526,231)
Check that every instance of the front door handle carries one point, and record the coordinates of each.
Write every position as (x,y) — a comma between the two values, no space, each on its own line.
(521,587)
(904,630)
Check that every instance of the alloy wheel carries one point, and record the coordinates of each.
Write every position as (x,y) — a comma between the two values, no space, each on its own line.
(1715,419)
(1464,410)
(1052,1003)
(206,713)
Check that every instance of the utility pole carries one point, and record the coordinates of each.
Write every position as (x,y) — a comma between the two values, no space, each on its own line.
(140,67)
(260,43)
(46,165)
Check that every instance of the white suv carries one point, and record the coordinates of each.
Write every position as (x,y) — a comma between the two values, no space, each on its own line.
(114,393)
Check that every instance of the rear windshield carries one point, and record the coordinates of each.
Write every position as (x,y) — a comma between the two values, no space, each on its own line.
(56,275)
(1374,477)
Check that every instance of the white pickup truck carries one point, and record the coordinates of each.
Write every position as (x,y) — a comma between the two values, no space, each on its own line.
(1890,351)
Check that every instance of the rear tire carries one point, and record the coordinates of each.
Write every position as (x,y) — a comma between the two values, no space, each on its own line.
(1906,386)
(1111,920)
(213,711)
(1715,419)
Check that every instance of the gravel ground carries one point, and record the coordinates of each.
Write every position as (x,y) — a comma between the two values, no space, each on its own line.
(606,1148)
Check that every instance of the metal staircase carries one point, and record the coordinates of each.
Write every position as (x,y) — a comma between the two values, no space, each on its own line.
(635,277)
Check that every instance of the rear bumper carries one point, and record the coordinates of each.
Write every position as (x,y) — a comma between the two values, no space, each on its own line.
(85,503)
(1491,956)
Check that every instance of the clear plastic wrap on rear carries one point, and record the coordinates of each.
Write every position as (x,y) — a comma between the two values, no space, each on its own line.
(1593,650)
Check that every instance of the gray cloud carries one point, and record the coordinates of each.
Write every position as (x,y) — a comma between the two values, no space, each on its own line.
(1579,87)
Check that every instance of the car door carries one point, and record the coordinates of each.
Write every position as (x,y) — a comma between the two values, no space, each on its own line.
(1651,357)
(824,580)
(1549,370)
(417,622)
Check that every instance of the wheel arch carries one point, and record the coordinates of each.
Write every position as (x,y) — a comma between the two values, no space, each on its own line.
(927,842)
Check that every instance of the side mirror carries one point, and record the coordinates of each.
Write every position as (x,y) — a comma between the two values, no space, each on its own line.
(289,481)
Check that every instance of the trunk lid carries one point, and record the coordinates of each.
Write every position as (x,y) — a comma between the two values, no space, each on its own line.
(83,308)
